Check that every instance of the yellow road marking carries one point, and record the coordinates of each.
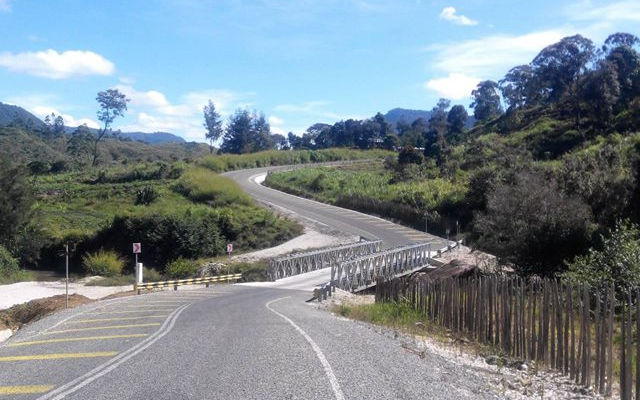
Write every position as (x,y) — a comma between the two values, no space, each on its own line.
(80,321)
(31,389)
(129,312)
(77,339)
(59,356)
(96,328)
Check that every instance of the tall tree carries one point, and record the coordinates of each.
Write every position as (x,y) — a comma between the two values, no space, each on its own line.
(213,124)
(54,125)
(112,104)
(518,87)
(456,120)
(16,199)
(238,133)
(560,66)
(486,101)
(261,133)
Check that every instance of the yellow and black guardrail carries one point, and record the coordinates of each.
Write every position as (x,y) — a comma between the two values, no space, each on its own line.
(192,281)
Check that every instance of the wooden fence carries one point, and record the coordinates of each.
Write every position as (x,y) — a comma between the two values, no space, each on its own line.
(574,329)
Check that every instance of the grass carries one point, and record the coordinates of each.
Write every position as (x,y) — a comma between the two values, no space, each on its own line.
(228,162)
(17,276)
(373,190)
(203,186)
(393,315)
(79,206)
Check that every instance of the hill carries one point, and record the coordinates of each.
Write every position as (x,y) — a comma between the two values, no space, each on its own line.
(153,138)
(396,115)
(13,114)
(402,114)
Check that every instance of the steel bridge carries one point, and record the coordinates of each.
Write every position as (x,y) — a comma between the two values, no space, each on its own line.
(301,263)
(361,273)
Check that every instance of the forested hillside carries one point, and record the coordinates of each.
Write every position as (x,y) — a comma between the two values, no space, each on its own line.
(551,166)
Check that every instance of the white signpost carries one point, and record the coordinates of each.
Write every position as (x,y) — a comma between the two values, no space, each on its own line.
(229,251)
(137,249)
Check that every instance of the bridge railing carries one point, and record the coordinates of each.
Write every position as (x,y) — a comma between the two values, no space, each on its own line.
(301,263)
(360,273)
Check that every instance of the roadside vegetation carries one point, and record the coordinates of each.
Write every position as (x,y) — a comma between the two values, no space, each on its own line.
(538,184)
(229,162)
(179,211)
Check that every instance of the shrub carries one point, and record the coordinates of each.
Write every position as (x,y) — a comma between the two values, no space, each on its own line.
(165,237)
(616,261)
(104,263)
(533,225)
(181,268)
(146,195)
(8,264)
(203,186)
(409,155)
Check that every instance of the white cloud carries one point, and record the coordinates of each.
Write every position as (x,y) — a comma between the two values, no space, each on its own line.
(455,86)
(5,5)
(276,125)
(154,112)
(53,65)
(615,12)
(312,108)
(449,14)
(493,55)
(151,98)
(36,106)
(273,120)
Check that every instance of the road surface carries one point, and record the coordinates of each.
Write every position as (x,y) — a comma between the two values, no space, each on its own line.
(225,342)
(330,217)
(325,218)
(231,342)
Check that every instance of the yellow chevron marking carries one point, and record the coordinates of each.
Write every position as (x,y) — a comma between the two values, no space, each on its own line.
(30,389)
(59,356)
(77,339)
(81,321)
(97,328)
(129,312)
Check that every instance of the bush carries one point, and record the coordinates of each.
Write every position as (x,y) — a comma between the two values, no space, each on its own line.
(103,263)
(409,155)
(8,264)
(146,195)
(531,224)
(165,237)
(203,186)
(616,261)
(181,268)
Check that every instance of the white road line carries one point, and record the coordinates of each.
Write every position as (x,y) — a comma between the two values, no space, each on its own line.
(327,367)
(101,370)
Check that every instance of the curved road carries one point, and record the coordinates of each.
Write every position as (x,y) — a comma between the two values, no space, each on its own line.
(225,342)
(337,218)
(230,342)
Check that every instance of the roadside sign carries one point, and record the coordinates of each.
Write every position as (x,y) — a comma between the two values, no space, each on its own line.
(137,248)
(230,248)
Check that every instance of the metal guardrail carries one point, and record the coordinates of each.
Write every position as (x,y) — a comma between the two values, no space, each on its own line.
(301,263)
(361,273)
(192,281)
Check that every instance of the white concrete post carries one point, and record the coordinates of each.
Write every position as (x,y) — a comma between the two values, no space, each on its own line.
(139,277)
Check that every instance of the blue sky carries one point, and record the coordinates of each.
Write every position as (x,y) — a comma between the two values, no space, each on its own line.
(298,61)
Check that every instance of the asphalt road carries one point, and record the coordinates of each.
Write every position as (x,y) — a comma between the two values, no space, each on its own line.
(225,342)
(231,342)
(329,217)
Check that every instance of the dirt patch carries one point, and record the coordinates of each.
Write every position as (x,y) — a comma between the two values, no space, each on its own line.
(21,314)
